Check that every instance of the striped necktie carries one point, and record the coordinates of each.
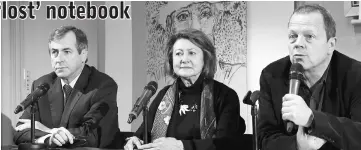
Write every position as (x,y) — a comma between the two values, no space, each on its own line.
(67,90)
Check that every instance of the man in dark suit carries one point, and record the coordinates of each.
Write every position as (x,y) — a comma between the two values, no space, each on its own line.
(327,111)
(81,102)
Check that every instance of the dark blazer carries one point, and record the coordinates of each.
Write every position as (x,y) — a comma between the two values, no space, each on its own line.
(338,122)
(91,111)
(229,125)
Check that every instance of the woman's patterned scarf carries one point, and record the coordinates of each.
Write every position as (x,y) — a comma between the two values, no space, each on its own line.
(165,109)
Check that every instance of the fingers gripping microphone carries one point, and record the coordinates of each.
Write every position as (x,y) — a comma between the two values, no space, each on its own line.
(142,101)
(296,76)
(32,97)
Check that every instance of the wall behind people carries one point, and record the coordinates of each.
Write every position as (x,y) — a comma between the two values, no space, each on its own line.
(139,56)
(6,127)
(119,62)
(267,39)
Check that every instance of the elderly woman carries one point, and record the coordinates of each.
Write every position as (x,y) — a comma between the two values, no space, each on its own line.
(195,112)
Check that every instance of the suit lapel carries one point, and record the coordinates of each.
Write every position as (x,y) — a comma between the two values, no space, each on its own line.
(56,101)
(333,97)
(78,90)
(70,104)
(83,79)
(44,110)
(283,90)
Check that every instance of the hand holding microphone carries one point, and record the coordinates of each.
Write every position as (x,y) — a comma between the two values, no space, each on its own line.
(294,108)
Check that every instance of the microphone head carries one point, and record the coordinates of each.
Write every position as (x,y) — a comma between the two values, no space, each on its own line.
(296,71)
(44,87)
(247,97)
(255,96)
(152,86)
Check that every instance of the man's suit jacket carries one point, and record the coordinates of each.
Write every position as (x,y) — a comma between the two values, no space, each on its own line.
(90,112)
(339,121)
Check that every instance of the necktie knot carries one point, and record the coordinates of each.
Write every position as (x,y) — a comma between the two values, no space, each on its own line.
(67,90)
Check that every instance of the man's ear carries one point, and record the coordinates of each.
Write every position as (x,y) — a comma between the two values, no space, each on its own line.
(84,55)
(331,44)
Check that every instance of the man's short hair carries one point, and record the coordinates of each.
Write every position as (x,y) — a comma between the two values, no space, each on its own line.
(81,39)
(329,23)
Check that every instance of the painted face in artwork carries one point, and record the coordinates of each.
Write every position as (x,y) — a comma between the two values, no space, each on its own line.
(200,16)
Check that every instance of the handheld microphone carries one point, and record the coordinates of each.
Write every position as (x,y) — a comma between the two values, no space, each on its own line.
(142,101)
(296,76)
(32,97)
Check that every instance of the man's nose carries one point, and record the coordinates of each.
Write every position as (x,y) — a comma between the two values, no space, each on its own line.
(300,42)
(59,57)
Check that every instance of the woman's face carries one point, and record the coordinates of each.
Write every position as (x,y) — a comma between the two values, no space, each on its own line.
(187,59)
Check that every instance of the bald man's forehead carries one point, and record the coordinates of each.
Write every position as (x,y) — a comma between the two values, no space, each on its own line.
(310,19)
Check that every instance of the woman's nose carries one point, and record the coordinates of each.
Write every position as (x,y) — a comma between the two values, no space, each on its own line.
(185,58)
